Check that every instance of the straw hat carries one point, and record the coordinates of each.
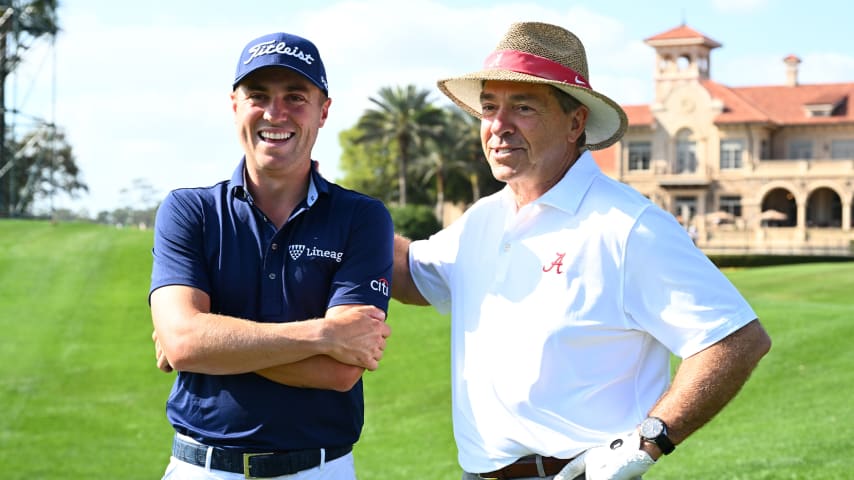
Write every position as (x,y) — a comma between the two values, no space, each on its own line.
(546,54)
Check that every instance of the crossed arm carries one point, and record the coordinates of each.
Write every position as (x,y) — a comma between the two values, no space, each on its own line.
(329,353)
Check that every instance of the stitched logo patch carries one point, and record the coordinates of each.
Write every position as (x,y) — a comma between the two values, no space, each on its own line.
(296,250)
(556,264)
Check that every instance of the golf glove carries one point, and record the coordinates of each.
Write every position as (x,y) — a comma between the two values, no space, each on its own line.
(621,460)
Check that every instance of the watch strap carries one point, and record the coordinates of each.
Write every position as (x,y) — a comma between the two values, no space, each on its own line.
(661,440)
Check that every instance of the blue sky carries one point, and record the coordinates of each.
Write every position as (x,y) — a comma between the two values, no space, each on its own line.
(141,88)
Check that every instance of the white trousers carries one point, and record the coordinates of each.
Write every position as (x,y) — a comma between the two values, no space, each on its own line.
(341,468)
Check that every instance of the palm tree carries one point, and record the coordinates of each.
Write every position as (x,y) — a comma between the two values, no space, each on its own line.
(465,146)
(404,117)
(455,159)
(443,157)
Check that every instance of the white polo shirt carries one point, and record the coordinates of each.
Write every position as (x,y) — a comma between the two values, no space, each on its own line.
(564,315)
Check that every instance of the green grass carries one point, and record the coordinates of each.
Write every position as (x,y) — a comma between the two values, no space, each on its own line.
(83,399)
(80,395)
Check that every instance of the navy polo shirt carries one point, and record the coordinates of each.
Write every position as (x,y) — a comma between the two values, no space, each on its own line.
(336,249)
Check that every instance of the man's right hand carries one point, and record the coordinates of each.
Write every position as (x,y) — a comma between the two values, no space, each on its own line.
(159,355)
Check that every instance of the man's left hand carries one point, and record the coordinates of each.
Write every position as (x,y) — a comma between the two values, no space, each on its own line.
(622,459)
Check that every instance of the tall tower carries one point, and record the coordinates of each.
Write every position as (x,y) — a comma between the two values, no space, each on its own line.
(681,56)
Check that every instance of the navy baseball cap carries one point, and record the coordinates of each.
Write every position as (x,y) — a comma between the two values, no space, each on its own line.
(282,50)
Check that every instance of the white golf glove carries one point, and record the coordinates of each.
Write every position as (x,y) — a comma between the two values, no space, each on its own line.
(622,459)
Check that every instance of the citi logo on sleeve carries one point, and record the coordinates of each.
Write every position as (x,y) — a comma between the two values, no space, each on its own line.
(380,285)
(296,252)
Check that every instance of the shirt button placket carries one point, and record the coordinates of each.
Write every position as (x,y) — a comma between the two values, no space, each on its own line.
(271,290)
(273,247)
(503,261)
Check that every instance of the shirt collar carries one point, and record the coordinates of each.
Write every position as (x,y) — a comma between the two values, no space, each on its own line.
(316,183)
(567,194)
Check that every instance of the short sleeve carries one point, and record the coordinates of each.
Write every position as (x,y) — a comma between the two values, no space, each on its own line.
(178,239)
(365,276)
(673,291)
(431,262)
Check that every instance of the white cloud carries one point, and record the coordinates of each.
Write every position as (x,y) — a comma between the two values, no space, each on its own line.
(142,89)
(826,67)
(149,99)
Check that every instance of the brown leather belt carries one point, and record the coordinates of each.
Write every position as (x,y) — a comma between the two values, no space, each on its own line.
(527,467)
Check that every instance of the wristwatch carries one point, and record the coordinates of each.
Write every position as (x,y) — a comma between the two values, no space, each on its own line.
(654,430)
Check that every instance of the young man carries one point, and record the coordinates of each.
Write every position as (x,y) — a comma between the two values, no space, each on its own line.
(568,290)
(269,290)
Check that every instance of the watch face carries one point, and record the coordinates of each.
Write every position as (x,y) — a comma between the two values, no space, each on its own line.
(651,428)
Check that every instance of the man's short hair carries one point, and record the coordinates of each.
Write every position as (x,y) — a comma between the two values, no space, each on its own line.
(569,104)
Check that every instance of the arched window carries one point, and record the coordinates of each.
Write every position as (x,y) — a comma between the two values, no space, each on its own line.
(778,209)
(686,152)
(824,208)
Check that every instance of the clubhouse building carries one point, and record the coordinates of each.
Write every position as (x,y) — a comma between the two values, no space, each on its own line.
(762,169)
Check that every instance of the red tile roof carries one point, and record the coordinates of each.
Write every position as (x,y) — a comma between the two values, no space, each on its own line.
(682,32)
(776,105)
(639,115)
(606,159)
(783,105)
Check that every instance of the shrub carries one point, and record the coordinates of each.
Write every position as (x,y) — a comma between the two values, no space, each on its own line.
(414,221)
(760,260)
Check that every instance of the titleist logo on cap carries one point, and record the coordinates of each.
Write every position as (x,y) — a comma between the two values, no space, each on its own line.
(271,47)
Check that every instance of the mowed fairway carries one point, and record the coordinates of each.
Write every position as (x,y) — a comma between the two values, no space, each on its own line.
(82,398)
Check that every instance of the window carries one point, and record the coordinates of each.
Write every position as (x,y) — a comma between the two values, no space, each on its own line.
(843,149)
(731,204)
(731,154)
(686,156)
(800,149)
(685,207)
(819,110)
(639,155)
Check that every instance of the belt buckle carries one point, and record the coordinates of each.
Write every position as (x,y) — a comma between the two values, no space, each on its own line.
(246,467)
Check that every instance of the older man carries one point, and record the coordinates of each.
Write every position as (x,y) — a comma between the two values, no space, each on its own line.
(568,290)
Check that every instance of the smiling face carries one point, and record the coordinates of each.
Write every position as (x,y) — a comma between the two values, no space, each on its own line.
(528,139)
(278,113)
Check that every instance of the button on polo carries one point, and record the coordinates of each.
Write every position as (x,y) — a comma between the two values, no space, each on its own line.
(271,276)
(274,246)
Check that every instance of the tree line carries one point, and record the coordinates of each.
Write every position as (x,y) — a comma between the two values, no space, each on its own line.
(411,154)
(405,150)
(40,163)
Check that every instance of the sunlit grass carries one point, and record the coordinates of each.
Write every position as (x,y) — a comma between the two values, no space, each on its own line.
(82,398)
